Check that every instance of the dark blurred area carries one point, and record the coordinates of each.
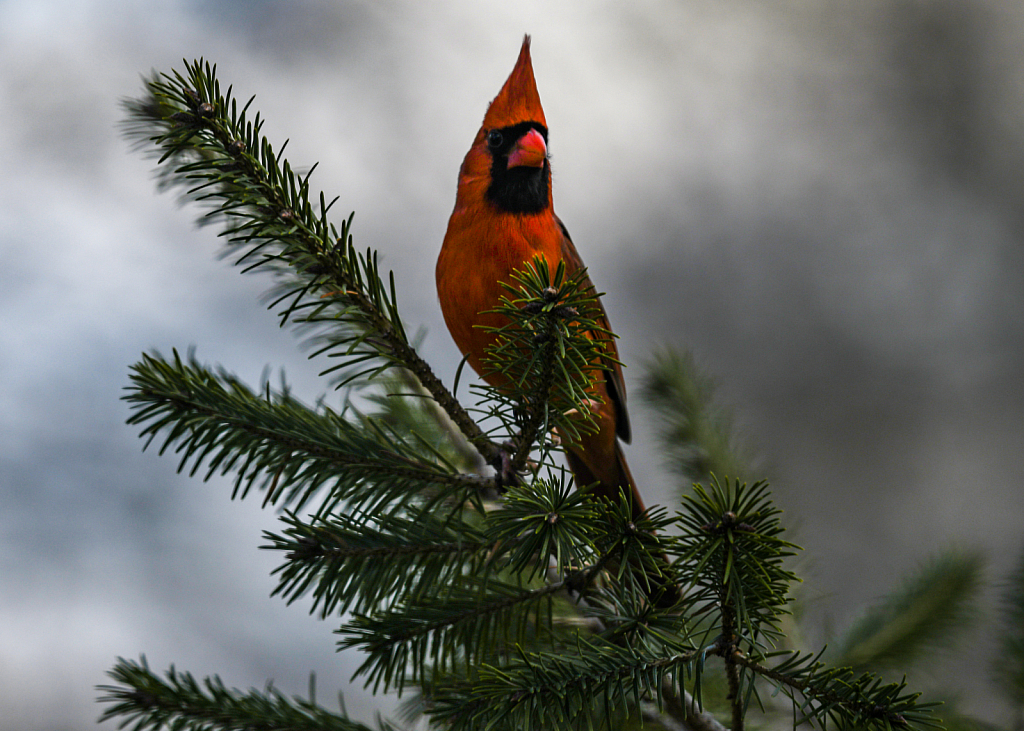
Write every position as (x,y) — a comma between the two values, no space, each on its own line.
(822,201)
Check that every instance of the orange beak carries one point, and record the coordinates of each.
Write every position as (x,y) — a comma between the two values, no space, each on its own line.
(529,151)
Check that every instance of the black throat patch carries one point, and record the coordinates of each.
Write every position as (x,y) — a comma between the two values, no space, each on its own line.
(520,189)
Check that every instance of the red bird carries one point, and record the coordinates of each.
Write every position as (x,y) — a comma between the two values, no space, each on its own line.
(503,218)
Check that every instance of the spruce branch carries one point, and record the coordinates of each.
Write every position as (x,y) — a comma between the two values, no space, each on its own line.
(411,643)
(1008,666)
(842,697)
(358,561)
(731,554)
(568,689)
(179,701)
(697,436)
(639,546)
(545,523)
(404,406)
(731,547)
(919,618)
(548,526)
(471,620)
(728,648)
(682,707)
(207,145)
(276,443)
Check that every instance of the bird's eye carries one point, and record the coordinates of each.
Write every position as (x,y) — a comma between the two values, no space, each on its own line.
(494,139)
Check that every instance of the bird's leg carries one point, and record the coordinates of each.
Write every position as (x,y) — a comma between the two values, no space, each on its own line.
(502,464)
(508,455)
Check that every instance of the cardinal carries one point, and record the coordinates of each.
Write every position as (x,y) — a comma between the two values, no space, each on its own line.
(503,219)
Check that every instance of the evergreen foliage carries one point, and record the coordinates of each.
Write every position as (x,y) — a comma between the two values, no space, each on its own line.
(510,600)
(145,701)
(918,618)
(1008,669)
(696,435)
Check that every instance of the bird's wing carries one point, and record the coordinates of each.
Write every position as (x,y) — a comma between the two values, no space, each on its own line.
(615,385)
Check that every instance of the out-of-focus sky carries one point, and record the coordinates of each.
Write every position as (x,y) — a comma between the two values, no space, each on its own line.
(824,201)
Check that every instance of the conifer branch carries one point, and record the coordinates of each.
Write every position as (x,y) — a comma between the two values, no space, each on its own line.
(727,648)
(732,555)
(696,435)
(842,697)
(277,443)
(475,618)
(682,706)
(208,145)
(357,561)
(558,690)
(181,702)
(640,546)
(544,524)
(1008,667)
(918,618)
(467,624)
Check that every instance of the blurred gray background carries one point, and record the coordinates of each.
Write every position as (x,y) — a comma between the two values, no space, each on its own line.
(822,200)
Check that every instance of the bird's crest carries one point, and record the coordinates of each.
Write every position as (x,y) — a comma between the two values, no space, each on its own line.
(518,100)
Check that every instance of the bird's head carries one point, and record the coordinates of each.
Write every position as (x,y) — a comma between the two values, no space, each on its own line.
(509,158)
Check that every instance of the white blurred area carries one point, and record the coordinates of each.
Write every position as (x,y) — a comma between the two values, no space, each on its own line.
(824,201)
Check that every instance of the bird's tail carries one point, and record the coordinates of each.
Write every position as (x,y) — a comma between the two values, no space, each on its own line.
(606,478)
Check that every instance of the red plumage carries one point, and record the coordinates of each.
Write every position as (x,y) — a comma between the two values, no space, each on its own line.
(503,218)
